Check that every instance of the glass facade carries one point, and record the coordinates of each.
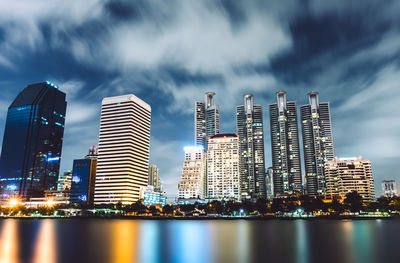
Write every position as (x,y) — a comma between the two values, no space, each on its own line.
(84,178)
(32,143)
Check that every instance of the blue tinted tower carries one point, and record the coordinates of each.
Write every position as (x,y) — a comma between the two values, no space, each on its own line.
(84,179)
(32,142)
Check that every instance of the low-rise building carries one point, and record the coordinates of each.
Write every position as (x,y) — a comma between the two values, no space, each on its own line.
(344,175)
(152,197)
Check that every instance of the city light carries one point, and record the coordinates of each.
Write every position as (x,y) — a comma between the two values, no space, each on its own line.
(50,203)
(13,202)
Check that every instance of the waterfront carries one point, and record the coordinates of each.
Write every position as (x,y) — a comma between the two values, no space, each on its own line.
(101,240)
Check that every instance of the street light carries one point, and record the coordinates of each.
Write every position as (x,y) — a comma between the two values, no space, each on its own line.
(13,202)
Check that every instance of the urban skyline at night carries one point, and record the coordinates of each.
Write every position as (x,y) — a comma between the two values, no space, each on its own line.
(261,49)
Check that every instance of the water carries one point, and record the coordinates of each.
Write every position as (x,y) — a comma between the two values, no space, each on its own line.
(97,240)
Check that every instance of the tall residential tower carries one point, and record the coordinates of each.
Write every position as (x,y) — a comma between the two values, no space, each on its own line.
(123,156)
(317,142)
(249,125)
(285,146)
(223,162)
(33,137)
(206,120)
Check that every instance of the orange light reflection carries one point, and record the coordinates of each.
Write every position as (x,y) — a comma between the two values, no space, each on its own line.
(45,245)
(124,241)
(9,242)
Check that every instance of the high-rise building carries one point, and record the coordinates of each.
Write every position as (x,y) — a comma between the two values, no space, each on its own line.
(192,183)
(345,175)
(285,146)
(389,188)
(32,143)
(206,120)
(64,181)
(123,155)
(249,125)
(154,178)
(223,162)
(84,178)
(269,182)
(317,142)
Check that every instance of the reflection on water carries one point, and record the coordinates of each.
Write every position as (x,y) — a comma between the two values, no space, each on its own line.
(9,242)
(117,241)
(45,244)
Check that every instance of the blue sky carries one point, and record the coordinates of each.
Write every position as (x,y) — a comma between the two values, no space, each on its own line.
(170,52)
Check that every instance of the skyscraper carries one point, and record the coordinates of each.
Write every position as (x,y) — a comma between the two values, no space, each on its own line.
(223,179)
(206,120)
(345,175)
(123,157)
(32,143)
(192,183)
(154,179)
(84,178)
(317,142)
(249,125)
(285,146)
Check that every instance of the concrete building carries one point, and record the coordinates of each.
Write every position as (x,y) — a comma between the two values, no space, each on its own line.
(192,183)
(154,178)
(206,120)
(285,146)
(223,163)
(123,157)
(389,188)
(344,175)
(269,182)
(64,181)
(249,125)
(317,142)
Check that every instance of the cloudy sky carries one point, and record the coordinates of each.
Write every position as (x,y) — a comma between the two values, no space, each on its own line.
(170,52)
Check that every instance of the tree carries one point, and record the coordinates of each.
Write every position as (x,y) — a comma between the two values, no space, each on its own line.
(353,202)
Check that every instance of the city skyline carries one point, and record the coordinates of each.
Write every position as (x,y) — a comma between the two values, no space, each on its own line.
(354,68)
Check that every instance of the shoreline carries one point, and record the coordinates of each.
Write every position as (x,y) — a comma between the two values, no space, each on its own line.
(205,218)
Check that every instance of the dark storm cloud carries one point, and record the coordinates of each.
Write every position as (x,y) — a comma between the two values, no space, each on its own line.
(170,53)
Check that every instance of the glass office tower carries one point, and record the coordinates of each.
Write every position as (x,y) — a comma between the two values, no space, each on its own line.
(285,146)
(84,178)
(33,136)
(249,125)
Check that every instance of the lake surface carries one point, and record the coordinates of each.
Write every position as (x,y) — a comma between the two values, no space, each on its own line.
(98,240)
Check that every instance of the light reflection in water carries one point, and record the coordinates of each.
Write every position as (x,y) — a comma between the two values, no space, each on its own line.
(124,241)
(302,241)
(9,242)
(243,241)
(189,241)
(150,240)
(45,244)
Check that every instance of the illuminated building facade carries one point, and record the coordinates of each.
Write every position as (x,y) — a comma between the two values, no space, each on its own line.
(269,182)
(192,183)
(84,178)
(64,181)
(317,142)
(123,155)
(389,188)
(152,197)
(154,179)
(32,143)
(345,175)
(206,120)
(285,146)
(249,125)
(223,164)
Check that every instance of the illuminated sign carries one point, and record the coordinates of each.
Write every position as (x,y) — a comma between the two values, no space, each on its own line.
(53,159)
(76,179)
